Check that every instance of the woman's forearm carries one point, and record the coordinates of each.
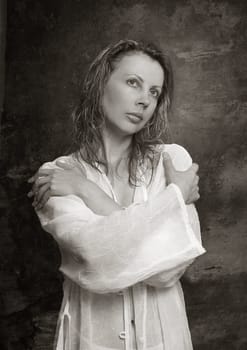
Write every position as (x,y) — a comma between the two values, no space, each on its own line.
(97,200)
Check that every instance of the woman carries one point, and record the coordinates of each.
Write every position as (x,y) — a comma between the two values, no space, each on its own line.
(121,209)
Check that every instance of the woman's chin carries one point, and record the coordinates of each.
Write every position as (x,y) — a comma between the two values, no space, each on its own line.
(127,130)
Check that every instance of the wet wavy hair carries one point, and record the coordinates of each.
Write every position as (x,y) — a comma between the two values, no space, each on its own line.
(89,119)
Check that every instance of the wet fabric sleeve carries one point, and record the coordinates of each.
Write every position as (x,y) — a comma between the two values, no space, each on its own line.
(110,253)
(182,161)
(169,278)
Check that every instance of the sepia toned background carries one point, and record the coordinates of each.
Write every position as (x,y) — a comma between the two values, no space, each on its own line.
(49,45)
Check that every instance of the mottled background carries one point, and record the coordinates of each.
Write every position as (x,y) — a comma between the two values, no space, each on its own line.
(49,44)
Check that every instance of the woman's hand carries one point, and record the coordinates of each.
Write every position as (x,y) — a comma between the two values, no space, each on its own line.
(187,180)
(70,179)
(62,181)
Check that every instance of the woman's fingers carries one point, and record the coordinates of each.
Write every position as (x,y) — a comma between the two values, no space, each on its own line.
(30,194)
(169,168)
(194,195)
(40,173)
(63,180)
(41,181)
(196,179)
(194,167)
(40,193)
(44,199)
(42,196)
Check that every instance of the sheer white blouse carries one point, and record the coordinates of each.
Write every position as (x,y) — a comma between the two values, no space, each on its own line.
(121,272)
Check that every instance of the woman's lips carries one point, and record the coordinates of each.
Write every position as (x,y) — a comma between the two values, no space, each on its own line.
(135,117)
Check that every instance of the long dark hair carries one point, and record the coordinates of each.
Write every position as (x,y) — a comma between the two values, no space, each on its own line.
(89,119)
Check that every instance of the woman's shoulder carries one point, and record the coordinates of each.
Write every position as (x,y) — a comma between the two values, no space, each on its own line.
(180,156)
(68,160)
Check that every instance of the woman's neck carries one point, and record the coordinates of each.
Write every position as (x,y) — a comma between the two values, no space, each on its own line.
(116,147)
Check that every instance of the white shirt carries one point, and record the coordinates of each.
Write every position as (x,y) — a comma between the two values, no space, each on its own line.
(121,288)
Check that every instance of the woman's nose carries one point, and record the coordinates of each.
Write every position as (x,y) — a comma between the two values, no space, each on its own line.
(143,99)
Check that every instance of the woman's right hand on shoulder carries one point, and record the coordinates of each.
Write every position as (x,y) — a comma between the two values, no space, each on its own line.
(186,180)
(63,180)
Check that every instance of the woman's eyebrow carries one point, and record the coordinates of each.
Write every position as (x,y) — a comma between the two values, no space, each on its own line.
(141,79)
(136,75)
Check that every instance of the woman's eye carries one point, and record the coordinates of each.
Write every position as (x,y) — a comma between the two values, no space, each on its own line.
(132,82)
(155,93)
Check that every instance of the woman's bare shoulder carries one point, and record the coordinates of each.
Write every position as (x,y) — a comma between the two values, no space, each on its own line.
(179,155)
(69,159)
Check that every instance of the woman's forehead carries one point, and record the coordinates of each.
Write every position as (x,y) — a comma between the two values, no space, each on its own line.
(141,65)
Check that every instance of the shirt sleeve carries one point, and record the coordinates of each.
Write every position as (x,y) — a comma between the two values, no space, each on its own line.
(109,253)
(181,161)
(166,279)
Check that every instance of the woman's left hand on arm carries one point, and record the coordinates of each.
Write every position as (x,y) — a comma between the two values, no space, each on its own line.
(69,179)
(64,180)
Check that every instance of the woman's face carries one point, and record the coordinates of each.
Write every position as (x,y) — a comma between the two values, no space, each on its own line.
(131,94)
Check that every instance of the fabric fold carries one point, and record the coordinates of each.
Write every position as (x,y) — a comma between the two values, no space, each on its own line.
(126,247)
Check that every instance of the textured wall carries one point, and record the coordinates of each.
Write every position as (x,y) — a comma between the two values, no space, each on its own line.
(49,46)
(3,8)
